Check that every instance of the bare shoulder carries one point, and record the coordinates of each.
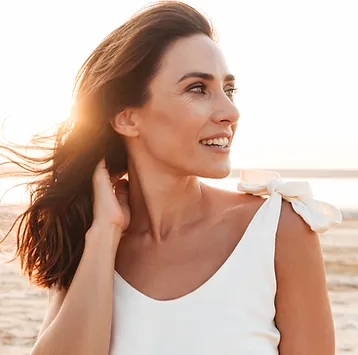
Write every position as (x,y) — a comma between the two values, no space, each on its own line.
(303,313)
(295,240)
(234,205)
(298,249)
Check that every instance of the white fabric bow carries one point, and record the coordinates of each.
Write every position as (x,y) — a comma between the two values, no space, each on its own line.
(320,216)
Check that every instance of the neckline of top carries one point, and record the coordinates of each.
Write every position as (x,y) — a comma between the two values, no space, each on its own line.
(204,285)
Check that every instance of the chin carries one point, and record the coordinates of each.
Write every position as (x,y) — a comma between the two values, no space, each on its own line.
(215,173)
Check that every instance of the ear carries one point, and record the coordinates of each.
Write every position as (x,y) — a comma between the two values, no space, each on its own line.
(126,123)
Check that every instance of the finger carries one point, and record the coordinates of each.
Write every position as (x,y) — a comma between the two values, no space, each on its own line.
(101,164)
(100,168)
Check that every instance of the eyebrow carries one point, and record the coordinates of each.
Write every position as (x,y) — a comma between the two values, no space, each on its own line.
(205,76)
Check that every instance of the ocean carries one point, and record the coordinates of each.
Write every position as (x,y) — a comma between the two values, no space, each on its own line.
(341,192)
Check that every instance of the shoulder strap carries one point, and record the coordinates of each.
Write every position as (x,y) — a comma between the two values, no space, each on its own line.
(320,216)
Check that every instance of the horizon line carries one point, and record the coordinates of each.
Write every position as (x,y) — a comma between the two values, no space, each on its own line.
(304,173)
(235,172)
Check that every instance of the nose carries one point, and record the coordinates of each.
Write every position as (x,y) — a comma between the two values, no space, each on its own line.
(225,111)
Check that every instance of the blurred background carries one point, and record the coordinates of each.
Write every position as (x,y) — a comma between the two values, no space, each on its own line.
(297,73)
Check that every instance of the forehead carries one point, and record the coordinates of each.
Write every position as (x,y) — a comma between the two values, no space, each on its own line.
(197,53)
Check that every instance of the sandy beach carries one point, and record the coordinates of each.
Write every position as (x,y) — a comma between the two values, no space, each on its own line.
(22,306)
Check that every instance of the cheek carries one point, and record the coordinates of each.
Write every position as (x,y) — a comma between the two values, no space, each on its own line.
(197,109)
(176,127)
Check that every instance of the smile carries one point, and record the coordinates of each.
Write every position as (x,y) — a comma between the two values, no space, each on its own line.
(222,142)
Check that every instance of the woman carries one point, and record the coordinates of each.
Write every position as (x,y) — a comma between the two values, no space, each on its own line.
(164,264)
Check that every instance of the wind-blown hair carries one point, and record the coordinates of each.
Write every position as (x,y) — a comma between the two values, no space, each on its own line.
(51,232)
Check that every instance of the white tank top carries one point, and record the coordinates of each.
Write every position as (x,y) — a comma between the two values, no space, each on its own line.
(233,313)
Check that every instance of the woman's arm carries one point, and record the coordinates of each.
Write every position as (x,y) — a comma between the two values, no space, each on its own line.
(55,300)
(79,321)
(303,313)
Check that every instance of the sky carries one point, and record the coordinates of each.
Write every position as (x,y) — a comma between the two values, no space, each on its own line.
(295,63)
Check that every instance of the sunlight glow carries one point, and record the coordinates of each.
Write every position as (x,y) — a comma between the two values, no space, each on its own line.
(295,62)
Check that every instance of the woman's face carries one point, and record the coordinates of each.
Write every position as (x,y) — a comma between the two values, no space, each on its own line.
(189,121)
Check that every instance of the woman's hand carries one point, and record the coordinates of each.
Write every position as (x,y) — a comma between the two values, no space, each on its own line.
(110,207)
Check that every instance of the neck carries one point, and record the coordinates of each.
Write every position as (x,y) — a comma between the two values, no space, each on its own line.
(161,203)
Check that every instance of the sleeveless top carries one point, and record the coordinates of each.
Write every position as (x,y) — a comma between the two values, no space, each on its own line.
(233,313)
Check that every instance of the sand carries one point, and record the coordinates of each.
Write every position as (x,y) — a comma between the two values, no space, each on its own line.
(22,306)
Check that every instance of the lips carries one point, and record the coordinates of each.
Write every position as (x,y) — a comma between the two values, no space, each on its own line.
(220,139)
(223,134)
(219,142)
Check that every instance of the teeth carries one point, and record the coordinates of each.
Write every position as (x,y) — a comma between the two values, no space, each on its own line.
(222,141)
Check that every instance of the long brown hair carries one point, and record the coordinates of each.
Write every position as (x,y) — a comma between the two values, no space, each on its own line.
(50,233)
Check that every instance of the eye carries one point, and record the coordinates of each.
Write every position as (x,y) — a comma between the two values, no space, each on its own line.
(198,88)
(230,92)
